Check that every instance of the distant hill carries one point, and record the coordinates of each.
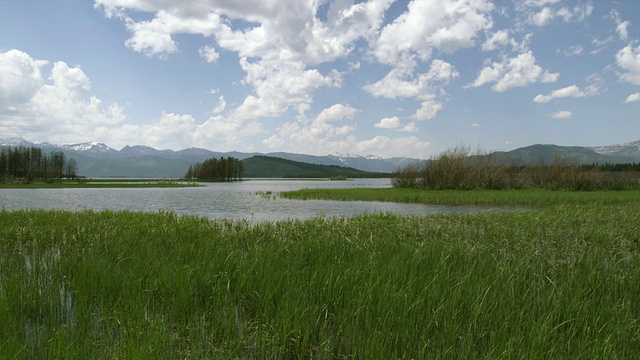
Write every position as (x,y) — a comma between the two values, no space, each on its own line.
(99,160)
(535,154)
(260,166)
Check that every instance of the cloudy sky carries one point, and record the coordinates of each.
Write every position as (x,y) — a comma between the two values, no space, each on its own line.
(389,78)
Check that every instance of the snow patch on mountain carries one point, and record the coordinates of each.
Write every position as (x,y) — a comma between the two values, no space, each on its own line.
(631,149)
(15,141)
(88,146)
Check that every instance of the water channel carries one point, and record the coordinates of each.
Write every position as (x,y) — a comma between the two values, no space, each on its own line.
(254,200)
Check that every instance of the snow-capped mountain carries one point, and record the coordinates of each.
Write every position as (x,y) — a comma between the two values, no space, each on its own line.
(631,149)
(15,141)
(370,162)
(94,147)
(99,160)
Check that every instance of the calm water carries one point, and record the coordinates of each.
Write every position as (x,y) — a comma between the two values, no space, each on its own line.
(241,200)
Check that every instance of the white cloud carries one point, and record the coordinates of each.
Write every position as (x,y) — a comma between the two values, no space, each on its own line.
(389,123)
(319,132)
(428,110)
(573,50)
(400,82)
(60,110)
(209,54)
(621,26)
(403,146)
(277,44)
(337,112)
(154,37)
(222,104)
(20,78)
(394,123)
(541,18)
(499,39)
(286,29)
(540,3)
(226,133)
(519,71)
(444,25)
(569,91)
(628,58)
(476,125)
(549,13)
(563,114)
(410,127)
(280,86)
(633,98)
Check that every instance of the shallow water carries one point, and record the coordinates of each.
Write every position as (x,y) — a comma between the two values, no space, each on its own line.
(254,200)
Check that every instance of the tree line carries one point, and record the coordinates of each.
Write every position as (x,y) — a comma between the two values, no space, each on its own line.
(612,167)
(31,163)
(222,169)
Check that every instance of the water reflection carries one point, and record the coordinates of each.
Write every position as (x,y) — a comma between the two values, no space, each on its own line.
(256,200)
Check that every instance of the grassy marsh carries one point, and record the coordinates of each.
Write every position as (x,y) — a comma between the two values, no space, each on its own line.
(558,282)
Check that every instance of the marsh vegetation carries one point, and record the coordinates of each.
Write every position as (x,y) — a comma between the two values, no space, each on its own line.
(548,283)
(460,168)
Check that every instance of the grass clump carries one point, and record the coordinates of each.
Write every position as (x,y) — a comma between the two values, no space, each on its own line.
(550,283)
(460,169)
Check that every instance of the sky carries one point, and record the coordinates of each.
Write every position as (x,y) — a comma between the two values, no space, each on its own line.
(388,78)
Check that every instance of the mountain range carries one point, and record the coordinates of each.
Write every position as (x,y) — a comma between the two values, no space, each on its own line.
(99,160)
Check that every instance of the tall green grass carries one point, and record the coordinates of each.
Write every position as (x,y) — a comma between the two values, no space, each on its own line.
(558,282)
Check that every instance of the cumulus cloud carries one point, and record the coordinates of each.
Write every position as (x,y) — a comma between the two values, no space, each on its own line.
(521,70)
(319,132)
(60,108)
(389,123)
(278,43)
(633,98)
(569,91)
(497,40)
(401,82)
(428,110)
(563,114)
(209,54)
(337,112)
(280,86)
(443,25)
(628,58)
(394,123)
(21,78)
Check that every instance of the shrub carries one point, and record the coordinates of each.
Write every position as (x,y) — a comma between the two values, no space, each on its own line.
(459,168)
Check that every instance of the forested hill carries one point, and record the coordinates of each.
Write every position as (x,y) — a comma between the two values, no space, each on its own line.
(271,167)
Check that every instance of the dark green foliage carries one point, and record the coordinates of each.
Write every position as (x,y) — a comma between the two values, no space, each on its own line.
(273,167)
(222,169)
(24,163)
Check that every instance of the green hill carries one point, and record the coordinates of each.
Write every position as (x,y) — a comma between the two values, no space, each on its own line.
(535,154)
(271,167)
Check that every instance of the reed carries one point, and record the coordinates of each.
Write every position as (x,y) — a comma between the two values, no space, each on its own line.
(549,283)
(461,169)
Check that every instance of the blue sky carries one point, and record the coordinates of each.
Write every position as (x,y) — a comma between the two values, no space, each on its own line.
(381,77)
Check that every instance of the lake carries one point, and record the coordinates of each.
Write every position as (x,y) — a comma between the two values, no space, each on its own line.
(253,200)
